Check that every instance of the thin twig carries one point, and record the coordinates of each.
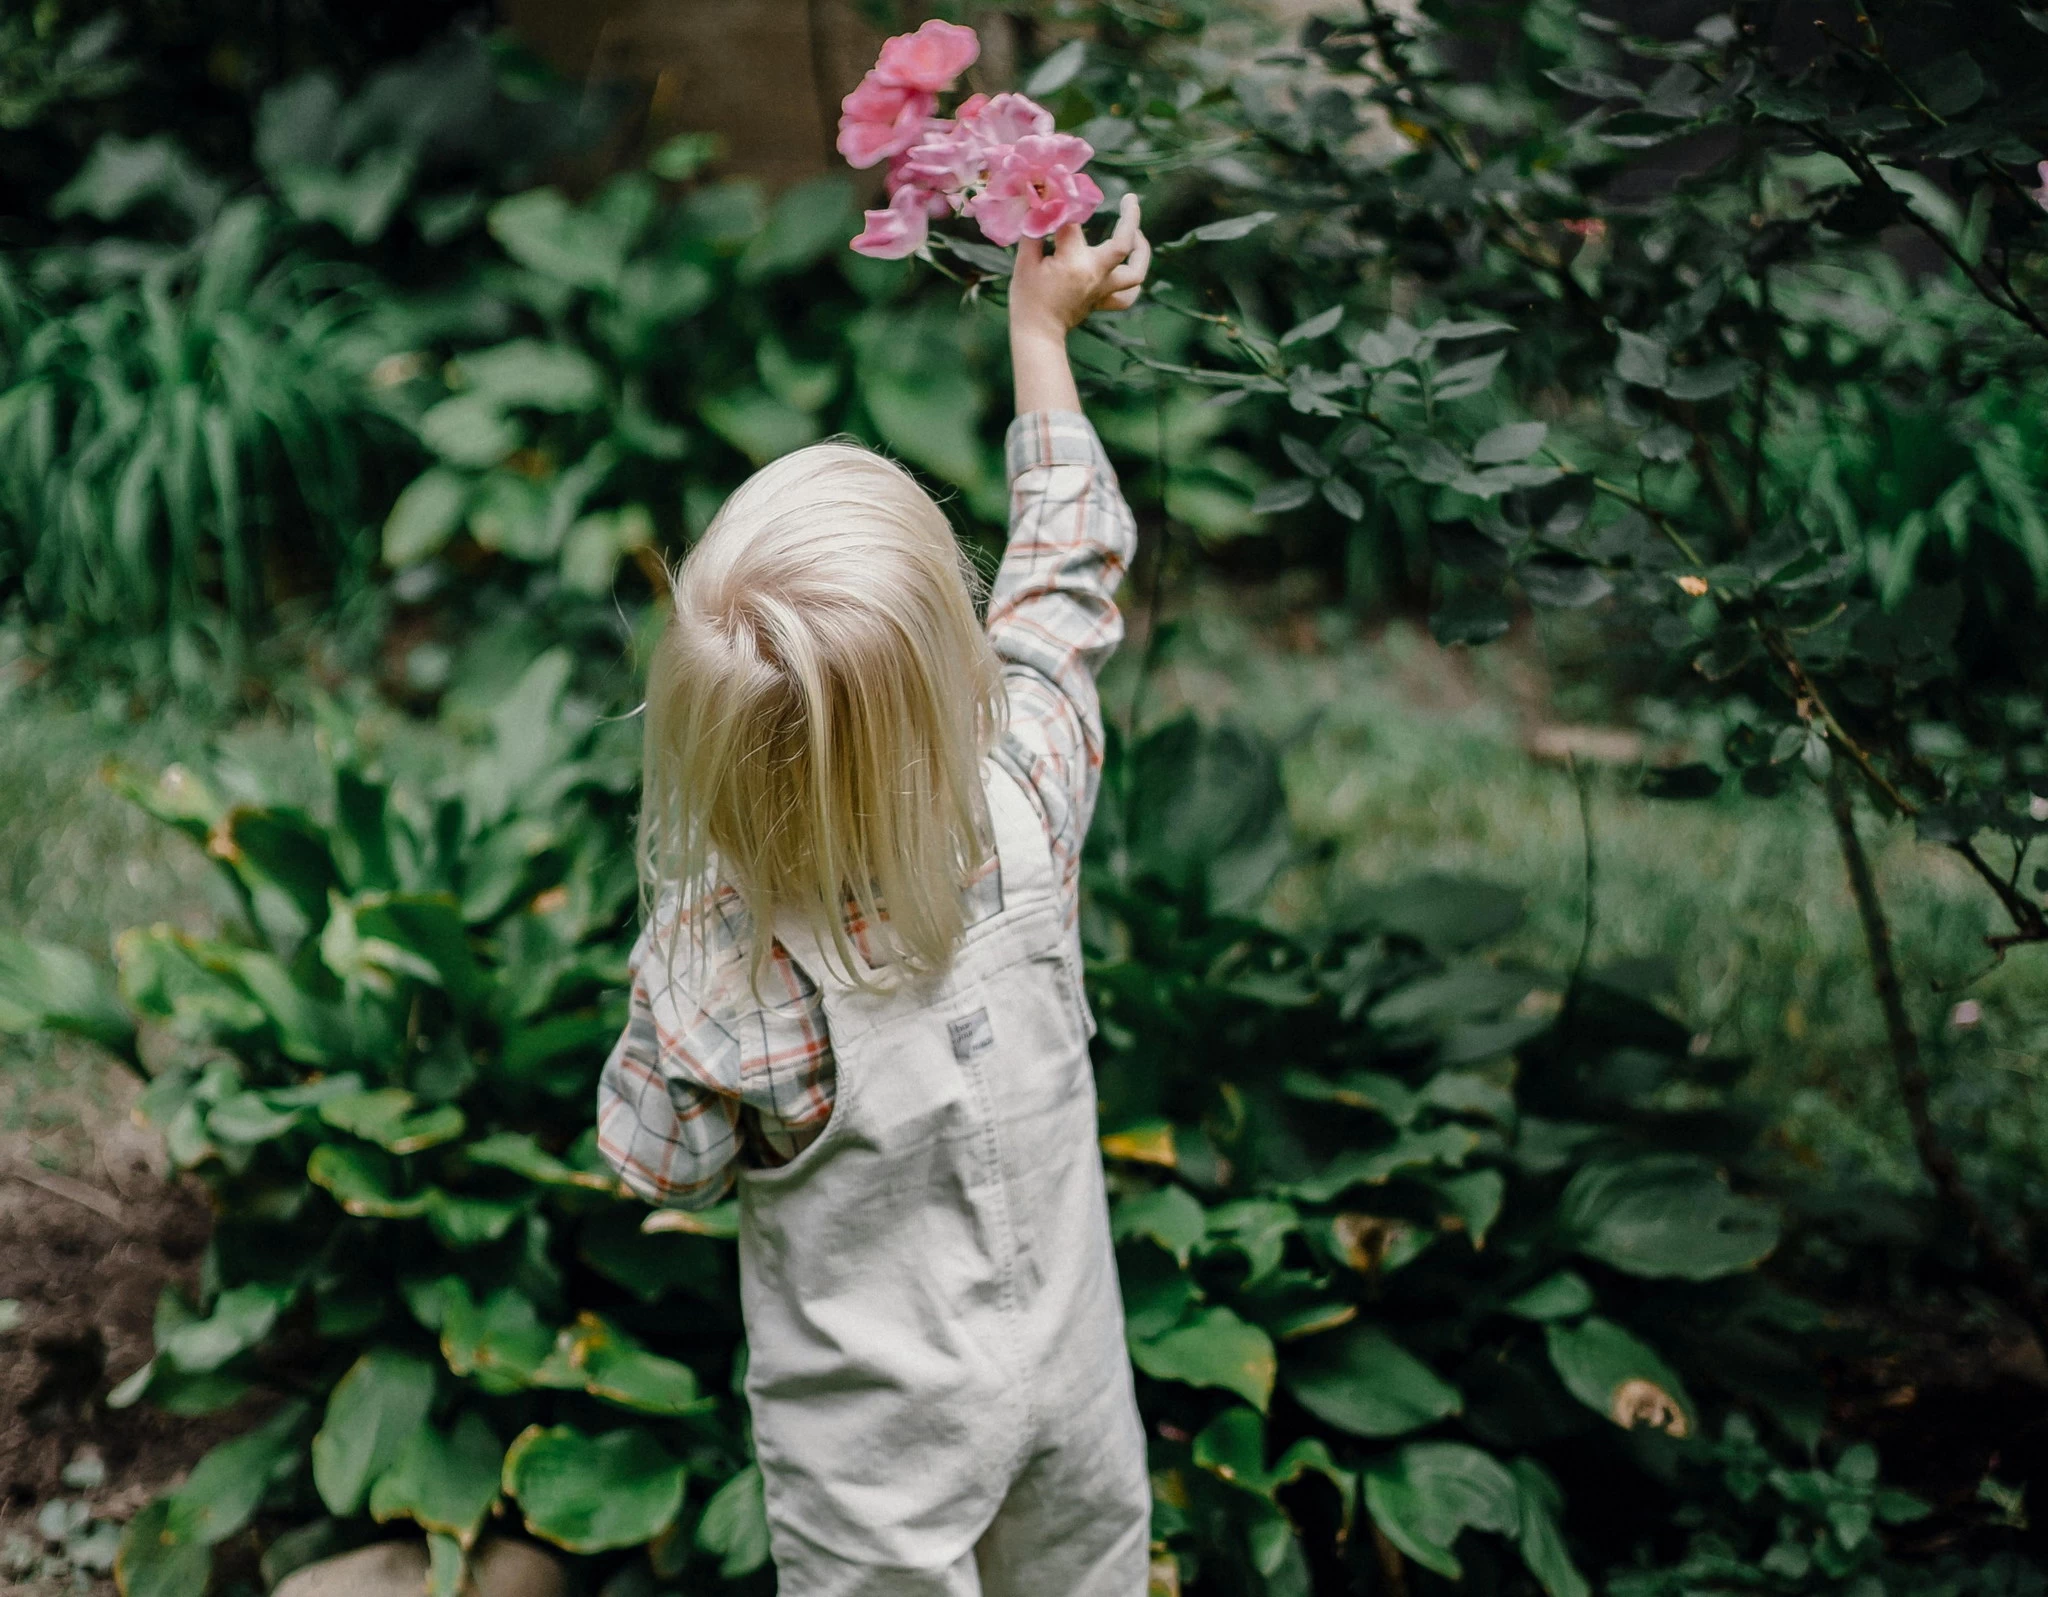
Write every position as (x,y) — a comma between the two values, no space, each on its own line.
(78,1192)
(2007,1272)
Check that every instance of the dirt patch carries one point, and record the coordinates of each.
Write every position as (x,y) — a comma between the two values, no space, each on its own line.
(84,1253)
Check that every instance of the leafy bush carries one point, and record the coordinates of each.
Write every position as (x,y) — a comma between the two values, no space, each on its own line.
(1407,1235)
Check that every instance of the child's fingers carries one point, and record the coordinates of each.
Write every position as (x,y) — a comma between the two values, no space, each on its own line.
(1120,242)
(1069,242)
(1123,301)
(1141,257)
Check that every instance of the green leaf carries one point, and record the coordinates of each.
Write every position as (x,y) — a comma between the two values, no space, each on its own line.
(1169,1215)
(1562,1296)
(518,1152)
(542,231)
(227,1486)
(1516,441)
(161,1553)
(1315,327)
(444,1481)
(500,1341)
(605,1362)
(734,1529)
(1666,1215)
(44,987)
(386,1116)
(543,376)
(364,1182)
(1642,361)
(1233,227)
(425,516)
(242,1317)
(1615,1375)
(1057,70)
(1430,1493)
(1362,1381)
(1212,1348)
(469,430)
(1540,1535)
(808,222)
(685,155)
(1447,1144)
(372,1412)
(756,423)
(587,1494)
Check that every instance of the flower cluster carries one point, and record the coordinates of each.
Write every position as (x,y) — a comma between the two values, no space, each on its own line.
(996,159)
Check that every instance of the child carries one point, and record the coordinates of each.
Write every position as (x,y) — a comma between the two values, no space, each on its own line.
(859,993)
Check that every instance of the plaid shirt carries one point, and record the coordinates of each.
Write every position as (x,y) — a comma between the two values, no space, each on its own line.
(709,1073)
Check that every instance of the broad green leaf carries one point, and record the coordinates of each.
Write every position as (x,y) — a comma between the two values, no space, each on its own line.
(1666,1215)
(587,1494)
(1363,1381)
(1430,1493)
(1516,441)
(756,423)
(1232,1447)
(527,372)
(500,1341)
(469,430)
(734,1528)
(598,1357)
(425,516)
(242,1317)
(44,987)
(1448,1144)
(1213,1347)
(385,1116)
(372,1412)
(162,1554)
(1472,1201)
(1057,70)
(227,1486)
(1615,1375)
(545,233)
(1461,993)
(1562,1296)
(806,223)
(444,1481)
(1450,913)
(364,1182)
(1169,1215)
(518,1152)
(466,1222)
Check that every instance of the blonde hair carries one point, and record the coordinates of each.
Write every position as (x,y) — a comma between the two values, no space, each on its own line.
(817,710)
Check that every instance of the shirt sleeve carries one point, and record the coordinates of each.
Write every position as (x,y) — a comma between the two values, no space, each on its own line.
(706,1077)
(1053,620)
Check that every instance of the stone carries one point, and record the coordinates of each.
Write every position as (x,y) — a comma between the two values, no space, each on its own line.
(399,1569)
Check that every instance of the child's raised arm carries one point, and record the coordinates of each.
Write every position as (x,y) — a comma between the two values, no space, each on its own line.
(1052,294)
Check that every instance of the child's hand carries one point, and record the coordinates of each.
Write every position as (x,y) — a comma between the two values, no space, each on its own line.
(1052,294)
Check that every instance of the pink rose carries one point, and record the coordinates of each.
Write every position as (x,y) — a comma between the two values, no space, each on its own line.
(1004,119)
(1036,187)
(929,59)
(898,231)
(955,155)
(902,176)
(949,158)
(879,120)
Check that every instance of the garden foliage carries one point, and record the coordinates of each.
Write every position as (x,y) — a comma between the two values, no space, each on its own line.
(1404,1232)
(1436,1267)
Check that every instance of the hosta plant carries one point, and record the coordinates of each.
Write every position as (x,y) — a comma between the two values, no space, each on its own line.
(1415,1242)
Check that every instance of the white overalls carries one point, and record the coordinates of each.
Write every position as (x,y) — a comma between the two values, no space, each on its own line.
(941,1397)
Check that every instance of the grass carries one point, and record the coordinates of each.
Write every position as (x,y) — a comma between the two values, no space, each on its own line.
(1404,758)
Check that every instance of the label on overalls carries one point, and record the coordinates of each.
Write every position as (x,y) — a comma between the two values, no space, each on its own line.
(971,1035)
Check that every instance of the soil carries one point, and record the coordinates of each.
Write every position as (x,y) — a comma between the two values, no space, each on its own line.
(85,1250)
